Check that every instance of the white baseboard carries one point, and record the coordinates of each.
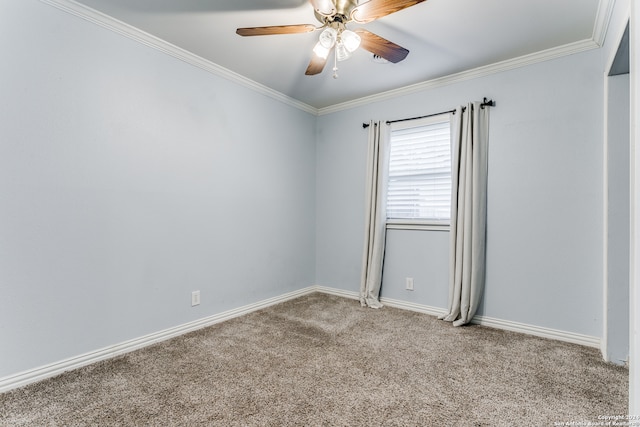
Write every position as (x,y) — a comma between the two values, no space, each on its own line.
(420,308)
(336,292)
(53,369)
(56,368)
(539,331)
(508,325)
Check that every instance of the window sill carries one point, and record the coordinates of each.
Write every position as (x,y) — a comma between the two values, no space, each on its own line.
(394,224)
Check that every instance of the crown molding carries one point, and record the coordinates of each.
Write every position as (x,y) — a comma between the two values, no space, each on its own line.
(603,17)
(509,64)
(605,9)
(601,24)
(74,8)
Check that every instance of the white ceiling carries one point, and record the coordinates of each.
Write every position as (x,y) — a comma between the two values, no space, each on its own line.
(444,37)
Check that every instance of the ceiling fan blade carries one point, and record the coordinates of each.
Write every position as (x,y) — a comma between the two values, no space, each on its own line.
(316,65)
(323,7)
(276,29)
(374,9)
(381,47)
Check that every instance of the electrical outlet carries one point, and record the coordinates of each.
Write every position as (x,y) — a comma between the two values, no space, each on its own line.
(195,298)
(409,283)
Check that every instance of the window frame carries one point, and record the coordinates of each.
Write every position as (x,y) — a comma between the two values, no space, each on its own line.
(415,223)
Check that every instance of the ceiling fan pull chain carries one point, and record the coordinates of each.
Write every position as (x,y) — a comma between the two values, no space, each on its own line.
(335,63)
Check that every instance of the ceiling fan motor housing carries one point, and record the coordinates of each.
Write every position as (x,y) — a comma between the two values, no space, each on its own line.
(343,11)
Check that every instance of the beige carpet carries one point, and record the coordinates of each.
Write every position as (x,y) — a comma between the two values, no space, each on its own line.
(322,360)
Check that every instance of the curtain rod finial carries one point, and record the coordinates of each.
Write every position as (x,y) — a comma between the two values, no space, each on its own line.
(488,103)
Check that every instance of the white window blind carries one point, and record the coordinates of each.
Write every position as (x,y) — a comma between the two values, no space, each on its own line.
(419,186)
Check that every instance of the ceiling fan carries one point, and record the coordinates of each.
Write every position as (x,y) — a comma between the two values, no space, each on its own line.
(334,15)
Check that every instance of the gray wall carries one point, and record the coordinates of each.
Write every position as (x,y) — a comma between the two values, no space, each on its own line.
(545,197)
(617,205)
(618,219)
(128,179)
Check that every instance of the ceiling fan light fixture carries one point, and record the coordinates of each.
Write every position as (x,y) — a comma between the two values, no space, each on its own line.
(328,37)
(321,51)
(351,40)
(342,53)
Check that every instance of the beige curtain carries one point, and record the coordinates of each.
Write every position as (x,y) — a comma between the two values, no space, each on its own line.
(375,218)
(469,157)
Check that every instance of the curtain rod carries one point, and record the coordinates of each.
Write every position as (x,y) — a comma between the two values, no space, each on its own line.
(485,103)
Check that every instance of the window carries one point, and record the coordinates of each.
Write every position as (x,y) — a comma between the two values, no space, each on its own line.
(419,186)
